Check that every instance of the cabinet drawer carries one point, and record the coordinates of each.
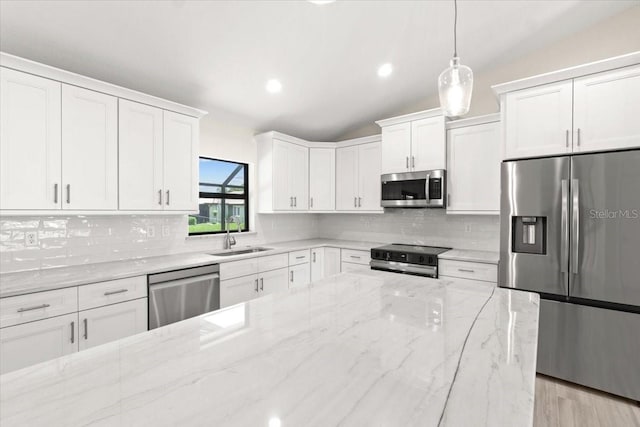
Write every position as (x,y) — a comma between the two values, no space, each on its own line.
(273,262)
(244,267)
(468,270)
(111,292)
(240,289)
(37,306)
(345,267)
(356,257)
(299,257)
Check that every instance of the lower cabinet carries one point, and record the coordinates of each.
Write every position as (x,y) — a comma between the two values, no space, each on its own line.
(350,266)
(317,264)
(273,281)
(331,261)
(239,289)
(354,260)
(112,322)
(476,271)
(39,341)
(299,275)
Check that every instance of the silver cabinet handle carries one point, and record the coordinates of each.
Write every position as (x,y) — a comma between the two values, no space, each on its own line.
(578,137)
(314,257)
(168,197)
(291,273)
(466,270)
(119,291)
(291,201)
(73,332)
(311,202)
(564,225)
(575,223)
(355,202)
(86,329)
(407,163)
(68,193)
(35,307)
(295,201)
(256,285)
(359,202)
(262,283)
(413,162)
(354,257)
(160,197)
(566,138)
(300,257)
(55,193)
(448,199)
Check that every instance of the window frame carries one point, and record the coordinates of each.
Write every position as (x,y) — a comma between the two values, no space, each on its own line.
(226,196)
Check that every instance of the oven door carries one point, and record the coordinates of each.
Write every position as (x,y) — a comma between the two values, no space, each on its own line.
(423,189)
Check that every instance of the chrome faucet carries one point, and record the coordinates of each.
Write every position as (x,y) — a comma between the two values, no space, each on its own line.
(229,240)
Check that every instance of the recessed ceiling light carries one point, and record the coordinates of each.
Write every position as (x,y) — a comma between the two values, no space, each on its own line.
(385,70)
(273,86)
(321,2)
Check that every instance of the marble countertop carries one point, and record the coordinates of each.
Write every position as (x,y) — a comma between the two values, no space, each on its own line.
(366,348)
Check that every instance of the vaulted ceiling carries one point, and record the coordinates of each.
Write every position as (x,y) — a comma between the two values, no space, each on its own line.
(218,55)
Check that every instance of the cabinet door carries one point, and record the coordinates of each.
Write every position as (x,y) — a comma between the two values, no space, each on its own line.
(112,322)
(299,176)
(273,281)
(36,342)
(473,173)
(29,141)
(538,121)
(331,261)
(181,136)
(240,289)
(299,275)
(89,149)
(396,148)
(369,177)
(317,264)
(428,144)
(606,107)
(139,156)
(347,178)
(282,194)
(322,179)
(350,266)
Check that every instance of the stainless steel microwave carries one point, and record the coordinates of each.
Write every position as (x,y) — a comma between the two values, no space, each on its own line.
(425,189)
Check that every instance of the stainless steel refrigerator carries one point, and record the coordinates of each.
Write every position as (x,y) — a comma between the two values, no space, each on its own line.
(570,231)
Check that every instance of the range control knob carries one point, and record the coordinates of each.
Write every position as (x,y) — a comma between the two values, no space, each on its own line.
(421,259)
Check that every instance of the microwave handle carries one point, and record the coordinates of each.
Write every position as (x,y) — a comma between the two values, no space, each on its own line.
(426,188)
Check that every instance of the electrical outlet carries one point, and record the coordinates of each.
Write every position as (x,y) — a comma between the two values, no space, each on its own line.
(467,228)
(151,232)
(31,238)
(166,231)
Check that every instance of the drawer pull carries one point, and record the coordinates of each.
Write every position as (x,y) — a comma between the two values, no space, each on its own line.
(73,332)
(466,270)
(36,307)
(86,329)
(354,257)
(119,291)
(301,257)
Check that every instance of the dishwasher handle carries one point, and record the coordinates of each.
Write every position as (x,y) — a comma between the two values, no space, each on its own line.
(184,282)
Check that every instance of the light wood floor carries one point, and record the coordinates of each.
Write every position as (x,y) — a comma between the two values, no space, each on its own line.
(562,404)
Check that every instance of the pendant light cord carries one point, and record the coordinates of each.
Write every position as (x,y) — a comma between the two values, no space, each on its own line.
(455,28)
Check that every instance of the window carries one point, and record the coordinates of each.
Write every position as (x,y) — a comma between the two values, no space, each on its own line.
(224,197)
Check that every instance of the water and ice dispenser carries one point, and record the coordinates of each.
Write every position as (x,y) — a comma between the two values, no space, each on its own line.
(529,234)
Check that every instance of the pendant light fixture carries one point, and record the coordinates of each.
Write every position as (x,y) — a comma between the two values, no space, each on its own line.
(455,84)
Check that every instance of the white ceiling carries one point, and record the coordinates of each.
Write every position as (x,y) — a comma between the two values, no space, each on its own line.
(218,55)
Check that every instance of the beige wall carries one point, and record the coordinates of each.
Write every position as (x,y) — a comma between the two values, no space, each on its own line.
(614,36)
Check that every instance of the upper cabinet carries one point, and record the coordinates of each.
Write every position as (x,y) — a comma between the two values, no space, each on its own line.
(588,108)
(473,166)
(30,141)
(70,143)
(322,179)
(358,177)
(414,142)
(283,174)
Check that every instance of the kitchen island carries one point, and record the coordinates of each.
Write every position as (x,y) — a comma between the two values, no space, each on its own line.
(366,348)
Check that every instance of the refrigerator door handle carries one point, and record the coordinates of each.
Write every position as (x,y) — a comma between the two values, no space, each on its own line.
(575,224)
(564,250)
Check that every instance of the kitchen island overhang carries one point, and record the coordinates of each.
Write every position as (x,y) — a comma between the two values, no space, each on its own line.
(354,349)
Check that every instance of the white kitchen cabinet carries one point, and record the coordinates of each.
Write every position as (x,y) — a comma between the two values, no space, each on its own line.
(30,141)
(140,168)
(317,264)
(414,142)
(299,275)
(396,148)
(322,179)
(35,342)
(473,170)
(89,150)
(331,261)
(112,322)
(180,162)
(239,289)
(605,110)
(299,176)
(273,281)
(538,121)
(358,177)
(352,267)
(468,270)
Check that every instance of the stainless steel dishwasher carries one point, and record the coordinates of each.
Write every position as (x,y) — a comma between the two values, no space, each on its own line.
(181,294)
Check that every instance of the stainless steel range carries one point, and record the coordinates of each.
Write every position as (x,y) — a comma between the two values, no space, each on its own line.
(407,259)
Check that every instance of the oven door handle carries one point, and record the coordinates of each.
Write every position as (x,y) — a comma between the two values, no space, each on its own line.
(184,282)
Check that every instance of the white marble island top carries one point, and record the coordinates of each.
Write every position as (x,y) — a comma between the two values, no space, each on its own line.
(371,348)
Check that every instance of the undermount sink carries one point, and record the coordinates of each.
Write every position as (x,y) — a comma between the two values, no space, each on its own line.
(242,251)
